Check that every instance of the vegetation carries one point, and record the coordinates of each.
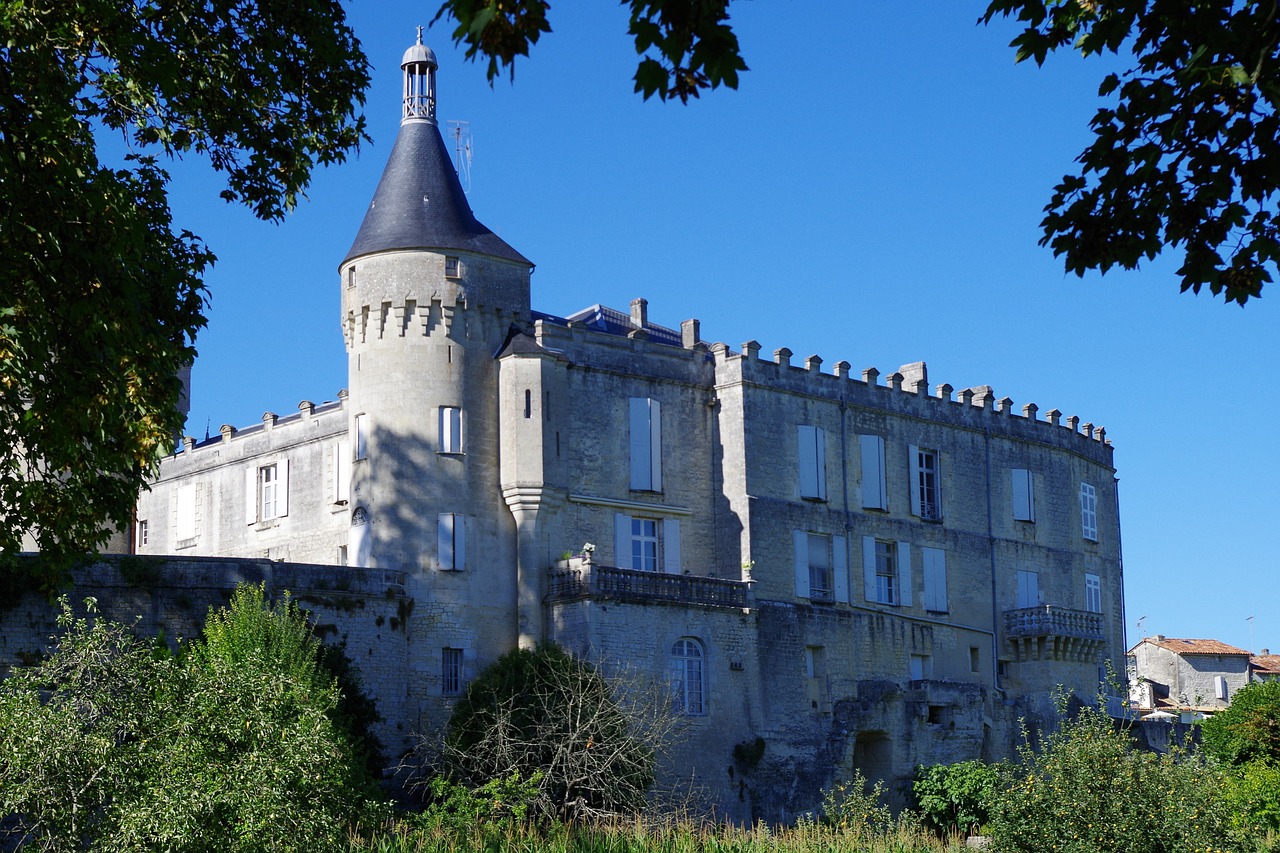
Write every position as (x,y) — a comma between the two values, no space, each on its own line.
(114,743)
(1245,739)
(267,91)
(957,797)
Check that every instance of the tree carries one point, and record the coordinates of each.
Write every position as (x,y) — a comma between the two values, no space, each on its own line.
(589,743)
(235,743)
(1248,729)
(685,45)
(102,299)
(1186,154)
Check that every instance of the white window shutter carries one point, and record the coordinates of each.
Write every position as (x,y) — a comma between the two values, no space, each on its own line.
(800,547)
(1023,495)
(444,540)
(641,445)
(358,544)
(873,475)
(251,494)
(904,574)
(622,541)
(806,448)
(913,464)
(460,524)
(1220,686)
(671,546)
(869,566)
(935,579)
(342,467)
(282,487)
(655,445)
(840,567)
(820,454)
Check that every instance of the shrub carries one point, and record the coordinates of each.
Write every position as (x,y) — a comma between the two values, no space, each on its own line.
(857,808)
(1089,791)
(957,797)
(1248,729)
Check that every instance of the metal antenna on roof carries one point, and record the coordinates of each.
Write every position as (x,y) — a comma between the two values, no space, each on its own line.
(461,131)
(1250,621)
(1142,621)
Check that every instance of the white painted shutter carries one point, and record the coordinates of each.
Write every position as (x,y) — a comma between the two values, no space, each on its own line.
(185,512)
(622,541)
(641,445)
(873,481)
(800,547)
(1023,496)
(342,469)
(820,453)
(671,546)
(904,574)
(840,567)
(935,579)
(1220,686)
(807,461)
(869,566)
(450,429)
(358,545)
(444,540)
(360,435)
(655,445)
(913,464)
(282,487)
(460,524)
(1028,589)
(251,495)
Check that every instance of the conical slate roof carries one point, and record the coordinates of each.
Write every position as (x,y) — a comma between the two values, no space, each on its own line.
(419,203)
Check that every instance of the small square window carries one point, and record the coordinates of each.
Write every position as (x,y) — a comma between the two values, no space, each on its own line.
(144,534)
(452,267)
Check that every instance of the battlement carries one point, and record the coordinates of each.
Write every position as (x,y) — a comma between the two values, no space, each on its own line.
(271,423)
(456,317)
(905,389)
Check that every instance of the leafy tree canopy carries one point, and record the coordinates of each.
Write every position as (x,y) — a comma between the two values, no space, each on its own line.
(1248,729)
(1186,153)
(102,298)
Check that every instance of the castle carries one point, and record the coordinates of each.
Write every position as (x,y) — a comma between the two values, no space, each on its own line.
(832,571)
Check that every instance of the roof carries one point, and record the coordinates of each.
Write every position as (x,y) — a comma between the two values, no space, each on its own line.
(1191,646)
(614,322)
(1266,664)
(419,203)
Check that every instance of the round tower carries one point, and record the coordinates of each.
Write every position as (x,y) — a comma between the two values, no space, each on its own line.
(429,295)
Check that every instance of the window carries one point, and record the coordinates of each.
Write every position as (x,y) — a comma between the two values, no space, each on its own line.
(342,471)
(647,544)
(921,667)
(1088,512)
(687,676)
(360,437)
(1093,593)
(342,555)
(1024,498)
(184,515)
(351,276)
(1220,687)
(821,566)
(646,444)
(450,429)
(266,492)
(451,541)
(359,542)
(143,531)
(975,659)
(812,445)
(451,672)
(452,267)
(886,567)
(874,491)
(935,579)
(1028,589)
(815,671)
(925,487)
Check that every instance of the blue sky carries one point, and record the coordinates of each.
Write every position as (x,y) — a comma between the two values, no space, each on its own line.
(871,193)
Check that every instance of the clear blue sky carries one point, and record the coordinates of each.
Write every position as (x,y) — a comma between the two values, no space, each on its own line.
(871,193)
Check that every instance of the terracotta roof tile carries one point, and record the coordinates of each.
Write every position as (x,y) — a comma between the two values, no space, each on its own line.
(1266,664)
(1193,646)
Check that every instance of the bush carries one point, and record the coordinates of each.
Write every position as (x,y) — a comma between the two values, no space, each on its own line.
(857,808)
(591,742)
(957,797)
(1248,729)
(230,745)
(1089,791)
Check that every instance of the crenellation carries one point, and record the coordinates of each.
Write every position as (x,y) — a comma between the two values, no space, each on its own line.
(813,364)
(1004,406)
(870,377)
(966,397)
(782,357)
(1053,416)
(944,392)
(983,396)
(306,408)
(690,331)
(895,381)
(1029,411)
(1087,429)
(1073,423)
(842,369)
(228,433)
(751,350)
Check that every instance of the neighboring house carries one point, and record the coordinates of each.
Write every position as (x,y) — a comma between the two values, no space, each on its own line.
(1186,676)
(859,571)
(1264,666)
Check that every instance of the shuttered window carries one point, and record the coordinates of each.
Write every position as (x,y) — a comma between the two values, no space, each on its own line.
(646,444)
(451,541)
(812,454)
(1088,512)
(874,493)
(1024,503)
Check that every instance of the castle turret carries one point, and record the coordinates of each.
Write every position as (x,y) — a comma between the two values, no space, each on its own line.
(429,295)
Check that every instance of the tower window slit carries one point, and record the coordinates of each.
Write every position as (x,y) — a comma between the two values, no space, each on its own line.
(528,403)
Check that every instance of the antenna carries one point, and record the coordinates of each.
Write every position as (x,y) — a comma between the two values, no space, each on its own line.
(1249,619)
(461,133)
(1142,621)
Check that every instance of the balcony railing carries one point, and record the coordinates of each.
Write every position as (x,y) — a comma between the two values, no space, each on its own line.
(1046,632)
(582,579)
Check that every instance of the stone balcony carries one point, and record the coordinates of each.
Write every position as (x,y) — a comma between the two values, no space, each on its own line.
(582,579)
(1046,632)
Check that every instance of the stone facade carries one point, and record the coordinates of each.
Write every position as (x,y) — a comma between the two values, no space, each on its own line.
(832,571)
(1173,674)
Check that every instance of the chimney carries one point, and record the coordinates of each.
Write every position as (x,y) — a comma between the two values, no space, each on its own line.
(639,313)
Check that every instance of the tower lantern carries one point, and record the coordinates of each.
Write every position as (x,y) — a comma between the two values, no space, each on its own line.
(419,65)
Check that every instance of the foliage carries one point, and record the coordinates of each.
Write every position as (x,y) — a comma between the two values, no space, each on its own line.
(591,742)
(857,807)
(957,797)
(685,45)
(1248,729)
(229,745)
(102,299)
(499,801)
(1184,153)
(1089,791)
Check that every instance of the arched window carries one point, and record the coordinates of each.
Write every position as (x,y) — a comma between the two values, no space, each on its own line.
(687,679)
(358,539)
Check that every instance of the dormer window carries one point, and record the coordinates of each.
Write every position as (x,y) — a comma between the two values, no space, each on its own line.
(452,267)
